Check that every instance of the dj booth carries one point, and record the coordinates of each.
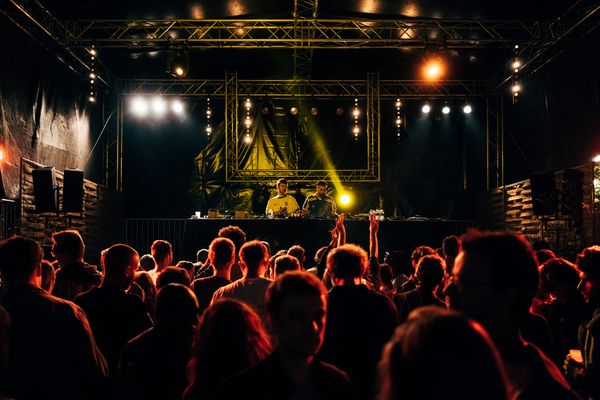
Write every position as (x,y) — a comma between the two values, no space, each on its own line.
(402,235)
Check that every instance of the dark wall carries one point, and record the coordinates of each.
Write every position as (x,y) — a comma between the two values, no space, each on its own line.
(556,123)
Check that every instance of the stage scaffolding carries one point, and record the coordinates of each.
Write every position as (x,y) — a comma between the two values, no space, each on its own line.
(372,90)
(540,42)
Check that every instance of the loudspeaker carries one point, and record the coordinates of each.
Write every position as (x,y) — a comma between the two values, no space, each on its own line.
(73,191)
(572,193)
(44,182)
(543,194)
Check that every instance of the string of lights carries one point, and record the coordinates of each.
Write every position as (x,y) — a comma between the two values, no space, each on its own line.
(356,114)
(208,117)
(247,120)
(515,67)
(93,76)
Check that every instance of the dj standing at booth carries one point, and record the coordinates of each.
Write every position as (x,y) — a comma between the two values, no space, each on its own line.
(283,203)
(320,204)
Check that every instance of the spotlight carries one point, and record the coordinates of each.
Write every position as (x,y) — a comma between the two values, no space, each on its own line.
(294,110)
(597,158)
(248,104)
(426,108)
(177,106)
(398,121)
(177,63)
(516,64)
(139,106)
(345,199)
(446,109)
(208,130)
(356,112)
(92,98)
(314,111)
(339,111)
(467,109)
(247,139)
(516,88)
(356,130)
(398,103)
(92,75)
(248,122)
(433,69)
(159,106)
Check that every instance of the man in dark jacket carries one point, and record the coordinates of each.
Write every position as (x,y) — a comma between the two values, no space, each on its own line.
(74,275)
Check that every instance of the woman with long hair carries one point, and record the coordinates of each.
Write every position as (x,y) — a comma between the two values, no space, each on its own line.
(229,339)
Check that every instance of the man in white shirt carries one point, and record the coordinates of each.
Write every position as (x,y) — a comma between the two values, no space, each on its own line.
(282,203)
(252,287)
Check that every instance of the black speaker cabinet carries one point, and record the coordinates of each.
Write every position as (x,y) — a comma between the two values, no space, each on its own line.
(73,191)
(544,194)
(44,182)
(572,193)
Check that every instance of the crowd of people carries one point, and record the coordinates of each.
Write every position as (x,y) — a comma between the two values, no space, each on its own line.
(484,316)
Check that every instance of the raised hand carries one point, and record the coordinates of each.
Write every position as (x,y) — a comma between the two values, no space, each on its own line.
(373,224)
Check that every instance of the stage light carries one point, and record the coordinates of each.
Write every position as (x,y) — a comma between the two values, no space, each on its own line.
(314,111)
(398,104)
(597,158)
(208,130)
(426,108)
(248,122)
(339,111)
(247,139)
(356,112)
(516,64)
(294,110)
(92,98)
(398,121)
(446,109)
(177,63)
(159,106)
(356,130)
(345,199)
(248,104)
(139,106)
(92,75)
(516,88)
(177,106)
(467,109)
(1,155)
(433,69)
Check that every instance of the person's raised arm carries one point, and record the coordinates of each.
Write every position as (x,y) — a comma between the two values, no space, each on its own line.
(341,229)
(373,241)
(373,274)
(322,263)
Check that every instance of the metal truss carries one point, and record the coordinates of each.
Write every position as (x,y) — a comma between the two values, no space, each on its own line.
(232,137)
(373,125)
(578,21)
(494,150)
(231,127)
(324,33)
(406,89)
(304,10)
(56,35)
